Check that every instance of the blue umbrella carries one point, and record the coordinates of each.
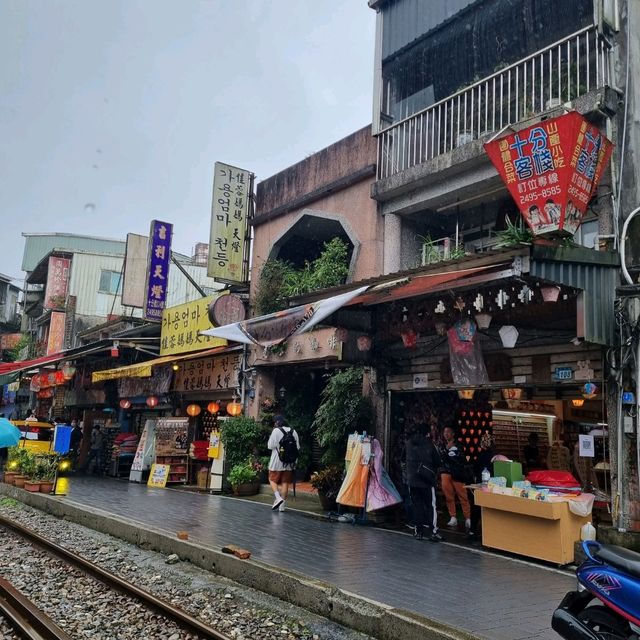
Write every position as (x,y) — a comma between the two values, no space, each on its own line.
(9,434)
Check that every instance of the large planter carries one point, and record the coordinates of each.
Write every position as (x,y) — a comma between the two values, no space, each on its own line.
(19,481)
(246,489)
(328,503)
(33,487)
(9,476)
(46,486)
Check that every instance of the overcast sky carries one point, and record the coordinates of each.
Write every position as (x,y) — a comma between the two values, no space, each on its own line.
(113,112)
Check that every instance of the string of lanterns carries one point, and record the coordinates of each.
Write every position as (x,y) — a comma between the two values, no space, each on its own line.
(233,408)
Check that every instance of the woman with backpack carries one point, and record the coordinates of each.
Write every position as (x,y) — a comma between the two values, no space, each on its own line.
(285,446)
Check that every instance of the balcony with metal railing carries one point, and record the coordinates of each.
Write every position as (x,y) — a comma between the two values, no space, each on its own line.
(551,77)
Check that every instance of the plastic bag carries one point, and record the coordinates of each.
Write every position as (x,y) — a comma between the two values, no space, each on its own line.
(465,355)
(581,505)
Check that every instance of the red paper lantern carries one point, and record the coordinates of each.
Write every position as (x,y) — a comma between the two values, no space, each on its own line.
(125,403)
(213,407)
(60,377)
(152,401)
(234,408)
(194,410)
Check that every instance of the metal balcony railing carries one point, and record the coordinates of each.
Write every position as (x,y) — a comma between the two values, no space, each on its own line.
(548,78)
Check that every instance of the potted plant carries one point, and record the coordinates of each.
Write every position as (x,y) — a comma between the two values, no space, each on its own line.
(12,468)
(328,482)
(29,466)
(243,479)
(46,472)
(241,436)
(23,458)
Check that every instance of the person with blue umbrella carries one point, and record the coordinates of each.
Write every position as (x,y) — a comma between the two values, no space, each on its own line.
(9,437)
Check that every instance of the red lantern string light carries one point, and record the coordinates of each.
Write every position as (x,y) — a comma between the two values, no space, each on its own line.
(152,401)
(194,410)
(125,403)
(213,407)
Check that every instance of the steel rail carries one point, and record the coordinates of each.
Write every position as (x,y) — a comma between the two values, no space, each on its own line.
(93,570)
(25,618)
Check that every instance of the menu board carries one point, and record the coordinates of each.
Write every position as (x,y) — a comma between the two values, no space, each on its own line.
(172,436)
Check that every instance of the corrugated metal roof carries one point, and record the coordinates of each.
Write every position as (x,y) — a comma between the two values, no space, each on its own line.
(38,245)
(598,282)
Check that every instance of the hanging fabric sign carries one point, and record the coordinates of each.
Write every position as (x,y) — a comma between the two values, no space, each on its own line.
(552,170)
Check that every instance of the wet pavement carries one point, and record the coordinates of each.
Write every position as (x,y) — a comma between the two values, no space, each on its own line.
(489,595)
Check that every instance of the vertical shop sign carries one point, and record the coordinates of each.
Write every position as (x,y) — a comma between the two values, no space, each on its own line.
(55,343)
(229,217)
(145,452)
(135,270)
(57,279)
(158,271)
(552,170)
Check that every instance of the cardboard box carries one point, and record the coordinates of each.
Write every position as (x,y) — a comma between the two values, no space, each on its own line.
(543,530)
(512,471)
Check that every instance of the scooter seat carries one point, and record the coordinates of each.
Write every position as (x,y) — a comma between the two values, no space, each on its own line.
(620,558)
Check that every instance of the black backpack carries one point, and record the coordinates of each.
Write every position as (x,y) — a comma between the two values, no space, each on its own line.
(288,449)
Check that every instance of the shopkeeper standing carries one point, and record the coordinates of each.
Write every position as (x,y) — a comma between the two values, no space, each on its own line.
(422,466)
(453,477)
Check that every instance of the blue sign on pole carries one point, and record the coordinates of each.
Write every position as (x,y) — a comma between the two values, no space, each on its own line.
(158,274)
(62,439)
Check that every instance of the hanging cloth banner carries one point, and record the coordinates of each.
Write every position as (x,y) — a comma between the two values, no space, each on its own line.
(552,170)
(275,328)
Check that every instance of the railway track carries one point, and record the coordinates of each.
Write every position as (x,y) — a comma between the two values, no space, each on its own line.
(32,624)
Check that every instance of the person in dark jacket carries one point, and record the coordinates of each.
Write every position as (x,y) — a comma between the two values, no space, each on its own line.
(422,467)
(484,461)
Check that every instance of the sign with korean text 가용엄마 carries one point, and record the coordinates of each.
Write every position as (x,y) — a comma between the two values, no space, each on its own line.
(181,326)
(229,218)
(218,373)
(552,170)
(57,280)
(158,273)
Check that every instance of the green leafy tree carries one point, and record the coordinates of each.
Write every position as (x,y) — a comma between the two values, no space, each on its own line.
(279,280)
(342,411)
(241,436)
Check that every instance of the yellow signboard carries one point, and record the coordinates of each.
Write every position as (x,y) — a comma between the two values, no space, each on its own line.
(158,476)
(181,326)
(229,215)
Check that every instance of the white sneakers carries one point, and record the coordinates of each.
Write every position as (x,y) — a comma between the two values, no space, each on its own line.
(453,522)
(282,507)
(278,502)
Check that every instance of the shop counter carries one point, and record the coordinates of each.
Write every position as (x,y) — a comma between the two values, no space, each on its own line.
(543,530)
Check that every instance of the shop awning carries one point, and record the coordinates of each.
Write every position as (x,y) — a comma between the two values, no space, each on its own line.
(275,328)
(23,365)
(418,285)
(144,369)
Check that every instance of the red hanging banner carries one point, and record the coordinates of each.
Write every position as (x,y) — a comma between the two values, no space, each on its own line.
(551,170)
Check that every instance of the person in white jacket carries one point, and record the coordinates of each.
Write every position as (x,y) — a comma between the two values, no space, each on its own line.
(281,468)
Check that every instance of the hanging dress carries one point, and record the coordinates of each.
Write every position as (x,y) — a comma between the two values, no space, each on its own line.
(382,492)
(354,486)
